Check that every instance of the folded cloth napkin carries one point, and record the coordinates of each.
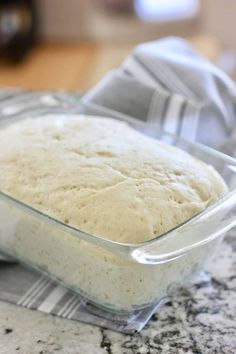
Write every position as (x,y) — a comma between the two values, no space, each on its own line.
(167,83)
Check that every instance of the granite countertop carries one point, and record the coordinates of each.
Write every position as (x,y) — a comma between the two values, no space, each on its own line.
(198,319)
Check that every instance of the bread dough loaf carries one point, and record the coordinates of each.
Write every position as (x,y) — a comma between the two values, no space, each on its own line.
(103,177)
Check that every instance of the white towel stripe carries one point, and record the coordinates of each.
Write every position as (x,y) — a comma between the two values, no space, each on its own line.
(169,77)
(160,74)
(38,294)
(164,103)
(31,290)
(52,299)
(155,108)
(172,114)
(190,122)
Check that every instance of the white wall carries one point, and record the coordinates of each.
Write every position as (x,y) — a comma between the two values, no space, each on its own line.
(219,19)
(63,19)
(81,19)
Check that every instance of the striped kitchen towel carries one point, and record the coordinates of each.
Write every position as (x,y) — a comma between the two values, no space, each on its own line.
(168,84)
(29,289)
(165,83)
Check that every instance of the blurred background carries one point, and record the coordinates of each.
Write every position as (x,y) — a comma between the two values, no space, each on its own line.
(59,44)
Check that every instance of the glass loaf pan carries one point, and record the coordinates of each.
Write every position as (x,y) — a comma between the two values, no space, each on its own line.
(118,277)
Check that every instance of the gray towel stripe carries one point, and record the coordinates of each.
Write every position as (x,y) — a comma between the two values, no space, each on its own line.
(32,290)
(168,76)
(139,72)
(181,117)
(165,110)
(155,108)
(33,302)
(41,296)
(62,303)
(75,310)
(67,304)
(71,308)
(158,108)
(152,73)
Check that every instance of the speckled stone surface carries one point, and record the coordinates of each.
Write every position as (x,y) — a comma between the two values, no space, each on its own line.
(198,319)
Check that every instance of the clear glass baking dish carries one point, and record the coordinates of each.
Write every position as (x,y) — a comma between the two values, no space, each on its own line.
(115,276)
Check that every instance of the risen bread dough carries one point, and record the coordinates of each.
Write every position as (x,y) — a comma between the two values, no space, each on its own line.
(103,176)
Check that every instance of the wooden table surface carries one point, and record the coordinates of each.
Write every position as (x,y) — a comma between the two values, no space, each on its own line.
(77,66)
